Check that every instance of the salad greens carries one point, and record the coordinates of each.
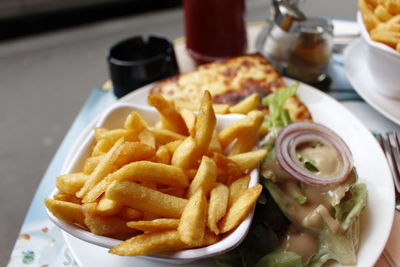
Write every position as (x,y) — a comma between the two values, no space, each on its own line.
(272,219)
(281,258)
(278,116)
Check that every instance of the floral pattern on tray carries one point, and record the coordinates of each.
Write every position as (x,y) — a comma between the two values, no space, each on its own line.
(41,244)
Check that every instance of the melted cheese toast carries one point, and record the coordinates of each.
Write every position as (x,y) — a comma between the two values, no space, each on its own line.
(229,82)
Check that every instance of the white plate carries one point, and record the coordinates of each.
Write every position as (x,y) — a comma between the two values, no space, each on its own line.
(369,161)
(365,82)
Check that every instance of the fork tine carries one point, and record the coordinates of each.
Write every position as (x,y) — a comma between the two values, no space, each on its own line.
(381,142)
(394,152)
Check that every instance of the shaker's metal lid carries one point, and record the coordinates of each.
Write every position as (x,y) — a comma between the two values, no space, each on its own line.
(286,14)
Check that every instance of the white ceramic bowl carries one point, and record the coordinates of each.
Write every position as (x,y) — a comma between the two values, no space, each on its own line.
(114,118)
(384,63)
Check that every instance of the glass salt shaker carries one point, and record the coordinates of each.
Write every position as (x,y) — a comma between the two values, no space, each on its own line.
(274,41)
(311,50)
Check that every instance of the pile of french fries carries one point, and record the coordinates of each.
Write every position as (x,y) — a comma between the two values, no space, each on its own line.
(382,20)
(249,103)
(172,186)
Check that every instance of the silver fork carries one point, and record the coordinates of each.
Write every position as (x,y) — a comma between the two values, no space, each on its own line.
(391,147)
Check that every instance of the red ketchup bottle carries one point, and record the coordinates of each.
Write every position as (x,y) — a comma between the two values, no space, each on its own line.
(215,29)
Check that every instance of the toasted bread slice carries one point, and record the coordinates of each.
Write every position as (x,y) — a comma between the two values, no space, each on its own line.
(229,82)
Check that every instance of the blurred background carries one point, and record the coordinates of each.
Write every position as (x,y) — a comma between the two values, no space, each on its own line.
(52,55)
(23,17)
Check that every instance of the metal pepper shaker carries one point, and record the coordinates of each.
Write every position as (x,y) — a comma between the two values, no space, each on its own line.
(311,51)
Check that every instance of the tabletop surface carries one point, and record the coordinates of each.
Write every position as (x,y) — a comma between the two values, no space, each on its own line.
(46,79)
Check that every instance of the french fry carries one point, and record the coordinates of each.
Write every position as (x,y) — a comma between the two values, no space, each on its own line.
(247,141)
(91,163)
(234,130)
(209,238)
(97,190)
(170,117)
(172,146)
(99,132)
(190,173)
(107,207)
(101,148)
(135,122)
(398,47)
(106,226)
(249,160)
(205,177)
(182,157)
(192,224)
(66,211)
(387,27)
(240,209)
(228,170)
(246,105)
(389,38)
(145,199)
(104,167)
(215,145)
(393,6)
(147,137)
(217,207)
(150,243)
(372,3)
(221,108)
(205,125)
(133,151)
(141,171)
(163,155)
(381,13)
(190,120)
(129,214)
(154,225)
(237,188)
(173,191)
(149,184)
(370,20)
(112,136)
(71,183)
(148,216)
(262,132)
(68,198)
(164,136)
(158,125)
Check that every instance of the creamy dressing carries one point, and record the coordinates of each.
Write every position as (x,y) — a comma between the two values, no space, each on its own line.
(324,157)
(315,196)
(316,214)
(301,242)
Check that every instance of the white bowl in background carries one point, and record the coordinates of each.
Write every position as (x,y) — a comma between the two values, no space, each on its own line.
(384,63)
(114,117)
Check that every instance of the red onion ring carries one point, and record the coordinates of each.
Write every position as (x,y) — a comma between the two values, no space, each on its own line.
(298,133)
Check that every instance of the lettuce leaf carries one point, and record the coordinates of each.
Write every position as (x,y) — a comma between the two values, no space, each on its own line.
(280,258)
(334,247)
(277,195)
(278,116)
(348,210)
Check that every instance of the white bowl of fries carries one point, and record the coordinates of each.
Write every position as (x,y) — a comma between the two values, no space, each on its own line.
(380,29)
(143,188)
